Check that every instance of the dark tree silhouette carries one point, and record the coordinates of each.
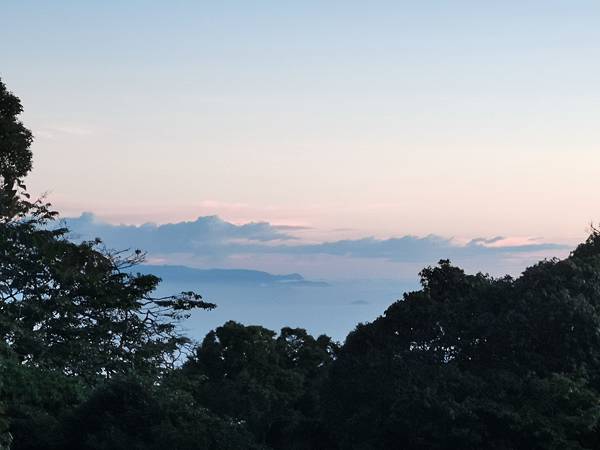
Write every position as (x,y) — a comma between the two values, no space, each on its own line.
(470,361)
(66,309)
(15,152)
(271,383)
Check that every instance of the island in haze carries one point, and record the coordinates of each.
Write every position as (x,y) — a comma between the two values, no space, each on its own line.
(184,274)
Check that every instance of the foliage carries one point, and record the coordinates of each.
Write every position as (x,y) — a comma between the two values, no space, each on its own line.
(70,314)
(15,154)
(127,414)
(471,361)
(270,383)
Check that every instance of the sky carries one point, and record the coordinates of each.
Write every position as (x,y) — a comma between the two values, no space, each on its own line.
(343,121)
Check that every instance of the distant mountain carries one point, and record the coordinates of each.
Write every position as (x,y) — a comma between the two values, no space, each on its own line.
(186,274)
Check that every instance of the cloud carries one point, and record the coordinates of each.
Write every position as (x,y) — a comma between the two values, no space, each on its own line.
(211,238)
(291,227)
(204,235)
(414,249)
(482,240)
(63,130)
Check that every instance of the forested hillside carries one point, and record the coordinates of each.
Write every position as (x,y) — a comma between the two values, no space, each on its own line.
(90,358)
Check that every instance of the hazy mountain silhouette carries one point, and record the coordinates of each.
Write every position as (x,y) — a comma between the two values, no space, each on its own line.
(184,274)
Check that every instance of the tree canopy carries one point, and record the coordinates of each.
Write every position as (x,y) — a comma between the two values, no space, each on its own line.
(470,361)
(70,312)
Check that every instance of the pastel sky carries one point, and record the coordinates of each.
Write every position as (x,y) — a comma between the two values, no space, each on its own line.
(458,118)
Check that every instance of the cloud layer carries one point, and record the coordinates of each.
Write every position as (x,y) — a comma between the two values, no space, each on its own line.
(210,241)
(205,234)
(416,249)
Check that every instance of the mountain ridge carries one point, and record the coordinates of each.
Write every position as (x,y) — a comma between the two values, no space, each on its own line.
(181,273)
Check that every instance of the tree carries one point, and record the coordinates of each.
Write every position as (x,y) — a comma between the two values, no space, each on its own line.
(471,361)
(73,314)
(270,383)
(128,414)
(15,153)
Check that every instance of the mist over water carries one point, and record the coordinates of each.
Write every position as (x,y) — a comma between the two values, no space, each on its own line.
(333,310)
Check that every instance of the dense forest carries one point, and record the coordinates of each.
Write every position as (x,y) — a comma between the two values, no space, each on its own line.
(91,359)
